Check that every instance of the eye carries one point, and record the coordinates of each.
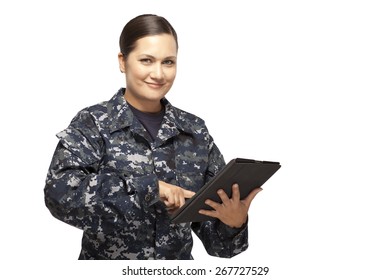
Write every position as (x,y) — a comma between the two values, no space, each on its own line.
(169,62)
(145,60)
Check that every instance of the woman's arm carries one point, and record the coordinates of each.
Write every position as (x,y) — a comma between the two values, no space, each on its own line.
(79,193)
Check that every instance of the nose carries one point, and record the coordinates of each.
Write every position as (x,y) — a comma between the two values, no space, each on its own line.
(157,72)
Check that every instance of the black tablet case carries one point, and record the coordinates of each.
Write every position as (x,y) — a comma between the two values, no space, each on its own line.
(247,173)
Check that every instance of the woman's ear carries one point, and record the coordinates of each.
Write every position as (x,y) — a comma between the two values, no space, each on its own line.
(122,62)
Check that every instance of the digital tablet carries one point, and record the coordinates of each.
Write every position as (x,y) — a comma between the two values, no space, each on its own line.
(247,173)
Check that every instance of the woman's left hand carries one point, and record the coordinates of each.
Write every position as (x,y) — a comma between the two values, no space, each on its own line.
(232,211)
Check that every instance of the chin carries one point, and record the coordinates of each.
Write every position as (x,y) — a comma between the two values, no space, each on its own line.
(156,96)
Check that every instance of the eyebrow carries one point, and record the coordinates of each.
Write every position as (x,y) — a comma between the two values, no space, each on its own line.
(151,56)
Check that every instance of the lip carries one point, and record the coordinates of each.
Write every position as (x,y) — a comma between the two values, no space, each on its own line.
(155,85)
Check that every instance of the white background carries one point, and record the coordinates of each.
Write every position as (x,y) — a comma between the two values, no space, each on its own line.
(300,82)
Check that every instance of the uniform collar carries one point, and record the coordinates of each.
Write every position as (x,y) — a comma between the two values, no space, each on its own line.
(121,116)
(119,113)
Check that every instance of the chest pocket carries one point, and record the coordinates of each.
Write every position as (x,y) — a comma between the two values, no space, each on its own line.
(129,154)
(191,180)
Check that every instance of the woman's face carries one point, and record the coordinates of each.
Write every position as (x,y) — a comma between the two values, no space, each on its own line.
(150,70)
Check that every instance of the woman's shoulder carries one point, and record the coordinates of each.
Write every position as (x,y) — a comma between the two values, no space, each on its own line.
(187,116)
(188,121)
(100,110)
(95,111)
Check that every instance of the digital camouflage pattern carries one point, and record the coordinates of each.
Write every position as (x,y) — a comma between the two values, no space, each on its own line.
(104,175)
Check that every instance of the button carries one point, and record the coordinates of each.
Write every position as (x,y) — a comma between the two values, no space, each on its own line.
(147,197)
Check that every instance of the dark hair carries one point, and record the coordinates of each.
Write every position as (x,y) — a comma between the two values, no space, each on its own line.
(142,26)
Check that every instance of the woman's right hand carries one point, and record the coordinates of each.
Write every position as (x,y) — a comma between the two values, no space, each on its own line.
(173,196)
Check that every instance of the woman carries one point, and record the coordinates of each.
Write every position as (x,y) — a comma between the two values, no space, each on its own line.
(122,165)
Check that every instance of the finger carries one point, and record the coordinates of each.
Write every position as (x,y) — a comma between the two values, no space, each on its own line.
(212,204)
(178,198)
(236,192)
(182,201)
(248,200)
(209,213)
(167,204)
(225,199)
(171,198)
(188,194)
(171,208)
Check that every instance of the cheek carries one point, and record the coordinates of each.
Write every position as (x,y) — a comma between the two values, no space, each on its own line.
(171,75)
(136,73)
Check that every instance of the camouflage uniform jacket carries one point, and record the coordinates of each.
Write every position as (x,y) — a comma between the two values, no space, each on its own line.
(104,175)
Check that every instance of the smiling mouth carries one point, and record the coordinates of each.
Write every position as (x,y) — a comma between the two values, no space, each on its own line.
(154,85)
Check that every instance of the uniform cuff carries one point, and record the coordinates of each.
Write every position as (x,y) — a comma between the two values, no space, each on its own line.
(230,232)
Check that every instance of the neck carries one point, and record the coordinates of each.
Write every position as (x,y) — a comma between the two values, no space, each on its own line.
(144,105)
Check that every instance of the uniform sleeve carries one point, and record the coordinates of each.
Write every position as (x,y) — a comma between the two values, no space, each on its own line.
(219,239)
(77,192)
